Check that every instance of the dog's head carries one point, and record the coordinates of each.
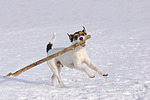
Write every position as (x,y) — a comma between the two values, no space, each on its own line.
(78,36)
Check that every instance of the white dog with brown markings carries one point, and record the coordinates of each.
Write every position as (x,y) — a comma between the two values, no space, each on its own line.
(72,59)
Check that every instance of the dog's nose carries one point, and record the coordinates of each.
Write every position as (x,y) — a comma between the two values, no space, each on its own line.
(81,38)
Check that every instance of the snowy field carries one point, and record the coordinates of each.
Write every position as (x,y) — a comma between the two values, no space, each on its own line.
(120,46)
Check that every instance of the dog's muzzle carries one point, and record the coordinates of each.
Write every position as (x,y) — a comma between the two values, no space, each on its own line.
(83,44)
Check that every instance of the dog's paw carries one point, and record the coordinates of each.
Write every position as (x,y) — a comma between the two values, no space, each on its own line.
(92,76)
(63,86)
(105,74)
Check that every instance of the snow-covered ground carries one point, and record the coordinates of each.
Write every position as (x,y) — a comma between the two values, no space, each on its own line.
(119,45)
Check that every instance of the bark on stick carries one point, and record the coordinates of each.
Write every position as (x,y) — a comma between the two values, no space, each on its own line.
(47,58)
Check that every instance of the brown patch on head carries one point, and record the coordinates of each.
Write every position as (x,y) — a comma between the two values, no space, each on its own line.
(74,37)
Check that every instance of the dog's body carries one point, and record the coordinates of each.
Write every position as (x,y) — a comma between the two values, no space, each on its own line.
(72,59)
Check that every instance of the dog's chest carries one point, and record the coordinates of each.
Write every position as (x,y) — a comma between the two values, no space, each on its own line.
(80,54)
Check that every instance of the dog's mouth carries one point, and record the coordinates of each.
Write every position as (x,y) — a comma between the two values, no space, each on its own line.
(83,44)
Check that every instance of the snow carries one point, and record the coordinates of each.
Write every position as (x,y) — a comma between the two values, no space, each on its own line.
(119,46)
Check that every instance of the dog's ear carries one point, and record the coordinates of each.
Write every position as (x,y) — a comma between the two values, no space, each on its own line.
(84,30)
(70,37)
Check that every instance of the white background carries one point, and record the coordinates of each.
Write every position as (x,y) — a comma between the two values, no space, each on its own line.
(120,46)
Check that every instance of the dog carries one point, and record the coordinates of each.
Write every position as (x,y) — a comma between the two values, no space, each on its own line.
(72,59)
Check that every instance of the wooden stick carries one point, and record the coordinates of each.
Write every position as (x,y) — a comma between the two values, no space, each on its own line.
(47,58)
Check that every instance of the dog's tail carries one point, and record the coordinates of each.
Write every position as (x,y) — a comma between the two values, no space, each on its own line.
(50,44)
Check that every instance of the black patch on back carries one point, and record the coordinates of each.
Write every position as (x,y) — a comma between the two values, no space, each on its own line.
(49,46)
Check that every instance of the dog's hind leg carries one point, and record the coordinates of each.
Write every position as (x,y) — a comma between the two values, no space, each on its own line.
(56,70)
(54,80)
(59,65)
(53,76)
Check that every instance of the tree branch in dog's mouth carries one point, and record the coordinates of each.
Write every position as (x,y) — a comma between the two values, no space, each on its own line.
(47,58)
(83,44)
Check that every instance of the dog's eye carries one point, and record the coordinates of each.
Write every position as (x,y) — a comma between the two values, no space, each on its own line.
(76,37)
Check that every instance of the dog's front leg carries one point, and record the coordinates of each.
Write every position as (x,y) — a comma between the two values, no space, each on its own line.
(80,67)
(92,66)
